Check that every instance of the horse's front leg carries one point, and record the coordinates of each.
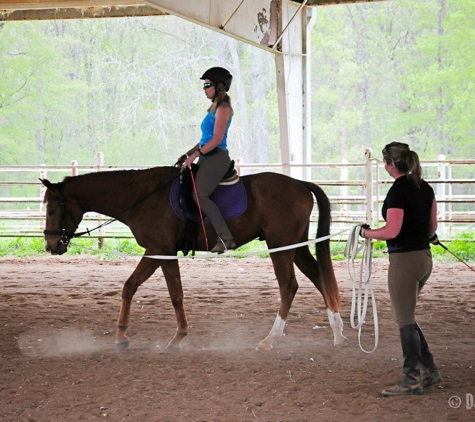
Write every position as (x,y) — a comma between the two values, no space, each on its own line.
(288,286)
(143,272)
(171,271)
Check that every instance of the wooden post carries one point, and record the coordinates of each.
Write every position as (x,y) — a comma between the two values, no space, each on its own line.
(238,166)
(441,206)
(450,196)
(369,186)
(43,176)
(74,168)
(100,239)
(344,188)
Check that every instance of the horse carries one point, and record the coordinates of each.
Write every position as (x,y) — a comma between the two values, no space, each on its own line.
(278,211)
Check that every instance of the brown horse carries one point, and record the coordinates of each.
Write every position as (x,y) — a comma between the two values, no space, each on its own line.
(278,211)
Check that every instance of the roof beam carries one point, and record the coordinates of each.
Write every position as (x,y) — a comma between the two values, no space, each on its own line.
(79,13)
(252,21)
(15,10)
(12,10)
(330,2)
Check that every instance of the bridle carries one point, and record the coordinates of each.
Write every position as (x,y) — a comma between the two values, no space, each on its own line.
(66,236)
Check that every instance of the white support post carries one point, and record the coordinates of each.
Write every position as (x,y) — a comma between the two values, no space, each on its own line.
(291,87)
(311,18)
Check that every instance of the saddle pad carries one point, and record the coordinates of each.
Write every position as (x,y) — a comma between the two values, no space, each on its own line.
(231,200)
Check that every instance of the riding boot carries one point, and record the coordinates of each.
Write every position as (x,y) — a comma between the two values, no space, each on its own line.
(430,373)
(224,245)
(411,350)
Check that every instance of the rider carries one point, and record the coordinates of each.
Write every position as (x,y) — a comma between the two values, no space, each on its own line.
(212,152)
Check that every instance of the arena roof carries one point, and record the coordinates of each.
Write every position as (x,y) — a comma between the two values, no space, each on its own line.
(12,10)
(278,26)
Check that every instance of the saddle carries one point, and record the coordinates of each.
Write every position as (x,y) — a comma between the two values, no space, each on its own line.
(230,197)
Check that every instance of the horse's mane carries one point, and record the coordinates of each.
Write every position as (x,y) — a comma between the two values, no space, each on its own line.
(155,176)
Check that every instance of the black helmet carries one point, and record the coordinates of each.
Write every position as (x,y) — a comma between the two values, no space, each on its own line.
(219,74)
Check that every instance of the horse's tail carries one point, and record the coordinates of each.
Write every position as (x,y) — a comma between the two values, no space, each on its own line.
(326,272)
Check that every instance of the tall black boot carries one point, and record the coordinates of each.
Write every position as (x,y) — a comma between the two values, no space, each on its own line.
(430,373)
(411,351)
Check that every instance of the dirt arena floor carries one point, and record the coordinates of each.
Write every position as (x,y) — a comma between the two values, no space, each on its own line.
(58,359)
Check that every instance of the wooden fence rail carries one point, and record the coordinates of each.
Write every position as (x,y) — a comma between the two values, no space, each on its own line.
(356,191)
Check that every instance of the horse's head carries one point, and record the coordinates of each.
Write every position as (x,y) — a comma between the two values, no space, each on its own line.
(62,218)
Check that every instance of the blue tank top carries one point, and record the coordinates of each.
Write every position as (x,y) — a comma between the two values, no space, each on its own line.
(207,130)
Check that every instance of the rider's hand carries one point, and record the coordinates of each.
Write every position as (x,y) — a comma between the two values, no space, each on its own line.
(434,239)
(181,160)
(363,228)
(189,160)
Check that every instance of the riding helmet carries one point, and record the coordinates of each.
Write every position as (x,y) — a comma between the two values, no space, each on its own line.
(217,75)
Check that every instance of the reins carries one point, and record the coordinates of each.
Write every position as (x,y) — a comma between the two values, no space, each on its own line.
(66,236)
(199,209)
(362,281)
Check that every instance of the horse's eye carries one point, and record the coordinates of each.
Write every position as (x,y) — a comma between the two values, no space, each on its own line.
(50,213)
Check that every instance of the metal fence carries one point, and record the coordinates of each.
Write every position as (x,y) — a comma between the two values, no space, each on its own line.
(356,191)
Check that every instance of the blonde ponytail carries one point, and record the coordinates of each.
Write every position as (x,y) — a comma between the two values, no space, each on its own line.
(405,161)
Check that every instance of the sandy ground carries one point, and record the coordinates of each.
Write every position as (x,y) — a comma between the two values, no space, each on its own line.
(58,359)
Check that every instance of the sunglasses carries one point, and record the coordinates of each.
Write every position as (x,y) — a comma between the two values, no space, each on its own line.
(207,85)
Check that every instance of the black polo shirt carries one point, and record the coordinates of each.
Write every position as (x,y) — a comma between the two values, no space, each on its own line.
(416,203)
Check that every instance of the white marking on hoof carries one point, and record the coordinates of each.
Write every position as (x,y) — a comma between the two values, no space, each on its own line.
(264,345)
(337,326)
(277,331)
(339,341)
(173,347)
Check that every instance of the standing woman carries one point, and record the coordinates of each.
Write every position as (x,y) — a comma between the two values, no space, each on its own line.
(213,153)
(410,212)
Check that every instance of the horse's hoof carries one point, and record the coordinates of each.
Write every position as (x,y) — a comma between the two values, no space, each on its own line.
(173,348)
(264,346)
(339,341)
(122,346)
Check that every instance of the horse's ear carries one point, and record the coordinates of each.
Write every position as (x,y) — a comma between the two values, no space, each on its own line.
(47,183)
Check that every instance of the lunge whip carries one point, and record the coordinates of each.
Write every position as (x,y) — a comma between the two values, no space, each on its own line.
(450,252)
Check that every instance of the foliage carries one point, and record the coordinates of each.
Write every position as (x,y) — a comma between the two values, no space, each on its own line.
(21,246)
(130,87)
(398,71)
(463,247)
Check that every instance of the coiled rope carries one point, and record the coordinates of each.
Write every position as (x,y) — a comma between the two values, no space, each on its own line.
(361,279)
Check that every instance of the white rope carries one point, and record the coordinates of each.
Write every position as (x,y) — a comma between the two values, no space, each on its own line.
(359,305)
(280,249)
(213,255)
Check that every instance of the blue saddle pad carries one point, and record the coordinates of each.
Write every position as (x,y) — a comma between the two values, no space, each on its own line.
(230,199)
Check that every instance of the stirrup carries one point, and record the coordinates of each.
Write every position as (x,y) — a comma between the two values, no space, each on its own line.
(223,246)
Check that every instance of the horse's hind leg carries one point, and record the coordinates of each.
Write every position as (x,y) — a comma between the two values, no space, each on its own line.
(284,270)
(143,271)
(310,267)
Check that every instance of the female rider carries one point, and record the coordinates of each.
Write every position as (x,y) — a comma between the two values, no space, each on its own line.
(213,153)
